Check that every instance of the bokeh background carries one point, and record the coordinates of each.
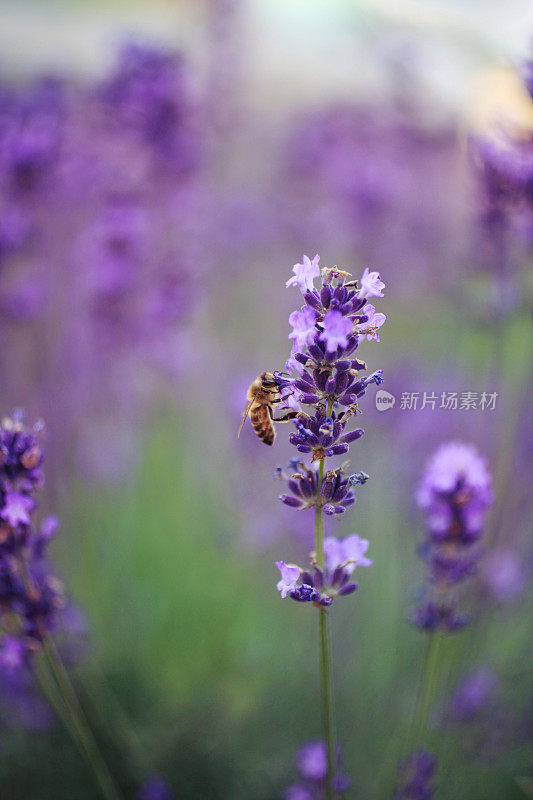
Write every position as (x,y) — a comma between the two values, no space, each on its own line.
(162,167)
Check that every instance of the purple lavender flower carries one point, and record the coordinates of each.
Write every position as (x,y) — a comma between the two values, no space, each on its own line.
(304,274)
(374,321)
(299,791)
(371,284)
(473,693)
(14,654)
(303,324)
(289,576)
(311,762)
(326,376)
(336,493)
(455,492)
(322,584)
(417,772)
(337,328)
(504,574)
(29,591)
(147,94)
(324,436)
(99,191)
(155,788)
(346,554)
(31,128)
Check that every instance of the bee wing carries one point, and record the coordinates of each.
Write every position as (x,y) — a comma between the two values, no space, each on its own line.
(245,414)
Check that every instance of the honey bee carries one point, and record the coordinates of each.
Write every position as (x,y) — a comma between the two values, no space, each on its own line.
(262,395)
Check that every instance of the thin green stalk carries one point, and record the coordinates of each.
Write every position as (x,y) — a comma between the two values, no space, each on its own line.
(51,692)
(426,689)
(79,724)
(430,683)
(326,677)
(58,688)
(328,710)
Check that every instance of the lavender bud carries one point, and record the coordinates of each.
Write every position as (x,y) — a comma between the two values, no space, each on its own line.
(318,578)
(326,490)
(294,486)
(316,352)
(337,450)
(353,436)
(312,299)
(290,501)
(342,366)
(348,589)
(348,399)
(321,379)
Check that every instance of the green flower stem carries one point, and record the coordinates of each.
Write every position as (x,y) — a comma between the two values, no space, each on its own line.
(56,684)
(78,725)
(326,677)
(426,690)
(328,710)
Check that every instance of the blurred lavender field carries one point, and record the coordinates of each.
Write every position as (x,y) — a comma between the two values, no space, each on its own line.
(162,167)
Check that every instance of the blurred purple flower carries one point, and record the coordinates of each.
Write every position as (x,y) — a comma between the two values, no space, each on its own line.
(473,693)
(13,654)
(455,492)
(300,792)
(16,509)
(311,760)
(456,488)
(416,775)
(347,553)
(149,95)
(155,787)
(504,574)
(99,196)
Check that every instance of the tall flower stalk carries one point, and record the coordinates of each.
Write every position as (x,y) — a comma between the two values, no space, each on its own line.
(324,375)
(454,493)
(31,597)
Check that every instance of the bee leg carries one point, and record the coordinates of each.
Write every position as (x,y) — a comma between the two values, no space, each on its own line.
(286,417)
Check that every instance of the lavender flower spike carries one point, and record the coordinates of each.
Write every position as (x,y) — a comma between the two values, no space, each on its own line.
(454,493)
(32,599)
(417,772)
(324,375)
(312,765)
